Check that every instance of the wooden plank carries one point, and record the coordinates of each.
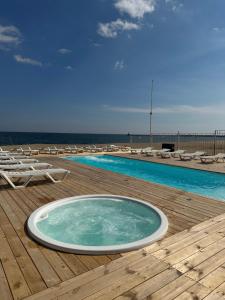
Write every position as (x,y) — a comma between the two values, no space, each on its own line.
(60,267)
(74,263)
(194,262)
(4,287)
(214,279)
(123,284)
(150,286)
(187,251)
(213,296)
(173,289)
(30,273)
(197,292)
(108,280)
(17,283)
(95,274)
(207,266)
(45,269)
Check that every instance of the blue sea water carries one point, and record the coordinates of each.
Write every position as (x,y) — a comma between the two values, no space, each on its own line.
(203,183)
(23,138)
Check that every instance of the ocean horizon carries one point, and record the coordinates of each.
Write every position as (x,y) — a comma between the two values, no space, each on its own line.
(25,138)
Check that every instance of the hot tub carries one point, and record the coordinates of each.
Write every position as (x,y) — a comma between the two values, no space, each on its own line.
(97,224)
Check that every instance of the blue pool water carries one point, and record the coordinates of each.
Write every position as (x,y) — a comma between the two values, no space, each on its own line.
(204,183)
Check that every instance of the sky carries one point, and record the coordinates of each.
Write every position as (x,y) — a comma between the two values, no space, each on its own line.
(86,66)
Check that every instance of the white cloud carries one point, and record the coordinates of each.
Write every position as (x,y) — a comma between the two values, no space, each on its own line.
(10,36)
(119,65)
(173,109)
(96,44)
(175,4)
(218,29)
(27,60)
(64,51)
(69,68)
(135,8)
(111,29)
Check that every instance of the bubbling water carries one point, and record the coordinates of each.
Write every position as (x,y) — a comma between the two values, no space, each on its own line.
(98,222)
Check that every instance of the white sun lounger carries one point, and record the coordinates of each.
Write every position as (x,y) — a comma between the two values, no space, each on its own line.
(10,157)
(135,151)
(48,150)
(59,150)
(10,154)
(70,150)
(213,158)
(8,176)
(190,156)
(53,150)
(3,151)
(172,154)
(28,151)
(17,161)
(145,150)
(73,149)
(125,148)
(111,148)
(30,166)
(94,149)
(156,152)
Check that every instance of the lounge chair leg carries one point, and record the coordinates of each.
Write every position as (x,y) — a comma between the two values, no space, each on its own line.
(56,180)
(9,181)
(27,181)
(51,178)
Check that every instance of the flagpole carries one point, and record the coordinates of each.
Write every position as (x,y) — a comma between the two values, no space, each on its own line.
(151,140)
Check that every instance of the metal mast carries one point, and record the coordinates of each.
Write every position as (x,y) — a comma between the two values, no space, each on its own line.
(151,140)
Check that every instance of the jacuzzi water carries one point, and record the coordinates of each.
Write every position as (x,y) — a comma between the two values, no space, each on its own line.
(98,223)
(210,184)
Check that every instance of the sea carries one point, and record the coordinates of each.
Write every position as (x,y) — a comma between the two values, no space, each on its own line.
(25,138)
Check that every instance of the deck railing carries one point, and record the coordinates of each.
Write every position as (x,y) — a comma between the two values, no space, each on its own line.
(211,142)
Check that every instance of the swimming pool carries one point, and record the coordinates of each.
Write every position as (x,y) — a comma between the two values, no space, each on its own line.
(209,184)
(97,224)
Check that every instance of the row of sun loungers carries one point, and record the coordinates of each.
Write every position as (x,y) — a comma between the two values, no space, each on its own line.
(53,150)
(165,153)
(190,156)
(220,157)
(18,170)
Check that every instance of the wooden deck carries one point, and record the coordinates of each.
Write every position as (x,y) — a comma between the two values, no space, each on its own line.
(188,264)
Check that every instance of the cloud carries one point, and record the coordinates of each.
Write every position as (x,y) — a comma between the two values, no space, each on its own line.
(173,109)
(64,51)
(96,44)
(135,8)
(69,68)
(218,29)
(119,65)
(27,60)
(10,36)
(175,4)
(111,29)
